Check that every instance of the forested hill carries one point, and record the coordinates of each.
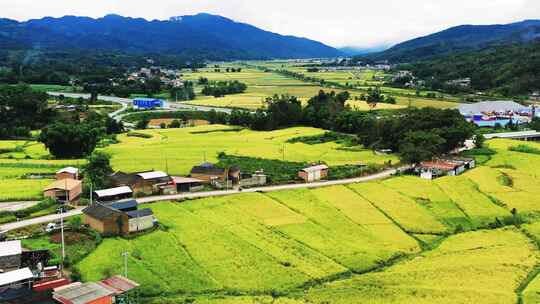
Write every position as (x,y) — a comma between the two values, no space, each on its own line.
(459,39)
(507,70)
(202,35)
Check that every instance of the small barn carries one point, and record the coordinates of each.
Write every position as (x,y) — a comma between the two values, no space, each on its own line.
(140,220)
(66,190)
(113,194)
(10,255)
(313,173)
(188,184)
(438,168)
(106,220)
(67,173)
(208,172)
(150,182)
(16,278)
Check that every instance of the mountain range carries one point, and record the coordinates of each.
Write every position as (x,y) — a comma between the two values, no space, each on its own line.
(460,39)
(201,35)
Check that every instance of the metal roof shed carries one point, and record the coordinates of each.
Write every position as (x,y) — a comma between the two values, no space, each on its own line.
(15,276)
(82,293)
(152,175)
(10,248)
(113,191)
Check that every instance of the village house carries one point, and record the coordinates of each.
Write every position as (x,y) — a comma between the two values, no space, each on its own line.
(208,173)
(313,173)
(437,168)
(106,220)
(256,179)
(65,190)
(67,173)
(10,255)
(145,183)
(113,194)
(119,218)
(535,96)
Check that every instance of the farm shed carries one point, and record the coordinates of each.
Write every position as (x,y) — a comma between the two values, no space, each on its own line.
(112,194)
(437,168)
(313,173)
(188,184)
(150,182)
(87,293)
(10,255)
(140,220)
(16,278)
(67,190)
(209,172)
(67,173)
(147,183)
(257,179)
(106,220)
(119,284)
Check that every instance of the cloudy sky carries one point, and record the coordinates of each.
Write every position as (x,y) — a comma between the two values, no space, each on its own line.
(338,23)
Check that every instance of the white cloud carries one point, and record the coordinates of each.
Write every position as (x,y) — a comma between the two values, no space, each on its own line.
(337,22)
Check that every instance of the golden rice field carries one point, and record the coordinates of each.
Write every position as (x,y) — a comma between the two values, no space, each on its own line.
(181,149)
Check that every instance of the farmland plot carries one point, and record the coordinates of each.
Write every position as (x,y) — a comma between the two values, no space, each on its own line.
(404,210)
(331,232)
(475,267)
(429,195)
(476,205)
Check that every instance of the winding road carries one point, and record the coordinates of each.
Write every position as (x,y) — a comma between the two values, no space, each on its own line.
(152,199)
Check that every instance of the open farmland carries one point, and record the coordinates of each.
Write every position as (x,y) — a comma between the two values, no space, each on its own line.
(180,149)
(400,240)
(20,158)
(262,85)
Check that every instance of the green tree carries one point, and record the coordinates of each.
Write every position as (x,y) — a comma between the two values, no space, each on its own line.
(419,146)
(98,170)
(71,140)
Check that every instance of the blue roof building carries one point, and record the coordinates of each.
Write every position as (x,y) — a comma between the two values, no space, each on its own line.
(148,103)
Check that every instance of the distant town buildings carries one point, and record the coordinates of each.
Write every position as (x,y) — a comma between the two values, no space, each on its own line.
(496,113)
(462,83)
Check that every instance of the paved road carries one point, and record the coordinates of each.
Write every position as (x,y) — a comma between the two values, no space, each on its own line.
(153,199)
(39,220)
(14,206)
(381,175)
(174,106)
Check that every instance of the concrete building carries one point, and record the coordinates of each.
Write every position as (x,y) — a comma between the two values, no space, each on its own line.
(313,173)
(140,220)
(65,190)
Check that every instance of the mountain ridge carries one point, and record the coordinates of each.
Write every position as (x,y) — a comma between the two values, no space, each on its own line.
(461,38)
(213,36)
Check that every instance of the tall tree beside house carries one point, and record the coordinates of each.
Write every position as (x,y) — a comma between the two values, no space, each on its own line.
(71,140)
(418,146)
(97,170)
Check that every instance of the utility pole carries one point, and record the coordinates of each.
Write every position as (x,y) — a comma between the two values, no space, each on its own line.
(125,254)
(91,194)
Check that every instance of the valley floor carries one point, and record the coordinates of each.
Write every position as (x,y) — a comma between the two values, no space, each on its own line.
(401,240)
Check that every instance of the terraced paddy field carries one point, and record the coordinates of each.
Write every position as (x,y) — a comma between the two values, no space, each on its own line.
(400,240)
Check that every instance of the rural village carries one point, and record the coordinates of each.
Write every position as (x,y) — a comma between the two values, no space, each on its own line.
(243,166)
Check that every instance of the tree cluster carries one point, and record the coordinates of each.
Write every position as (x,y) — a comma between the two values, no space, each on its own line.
(22,110)
(222,88)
